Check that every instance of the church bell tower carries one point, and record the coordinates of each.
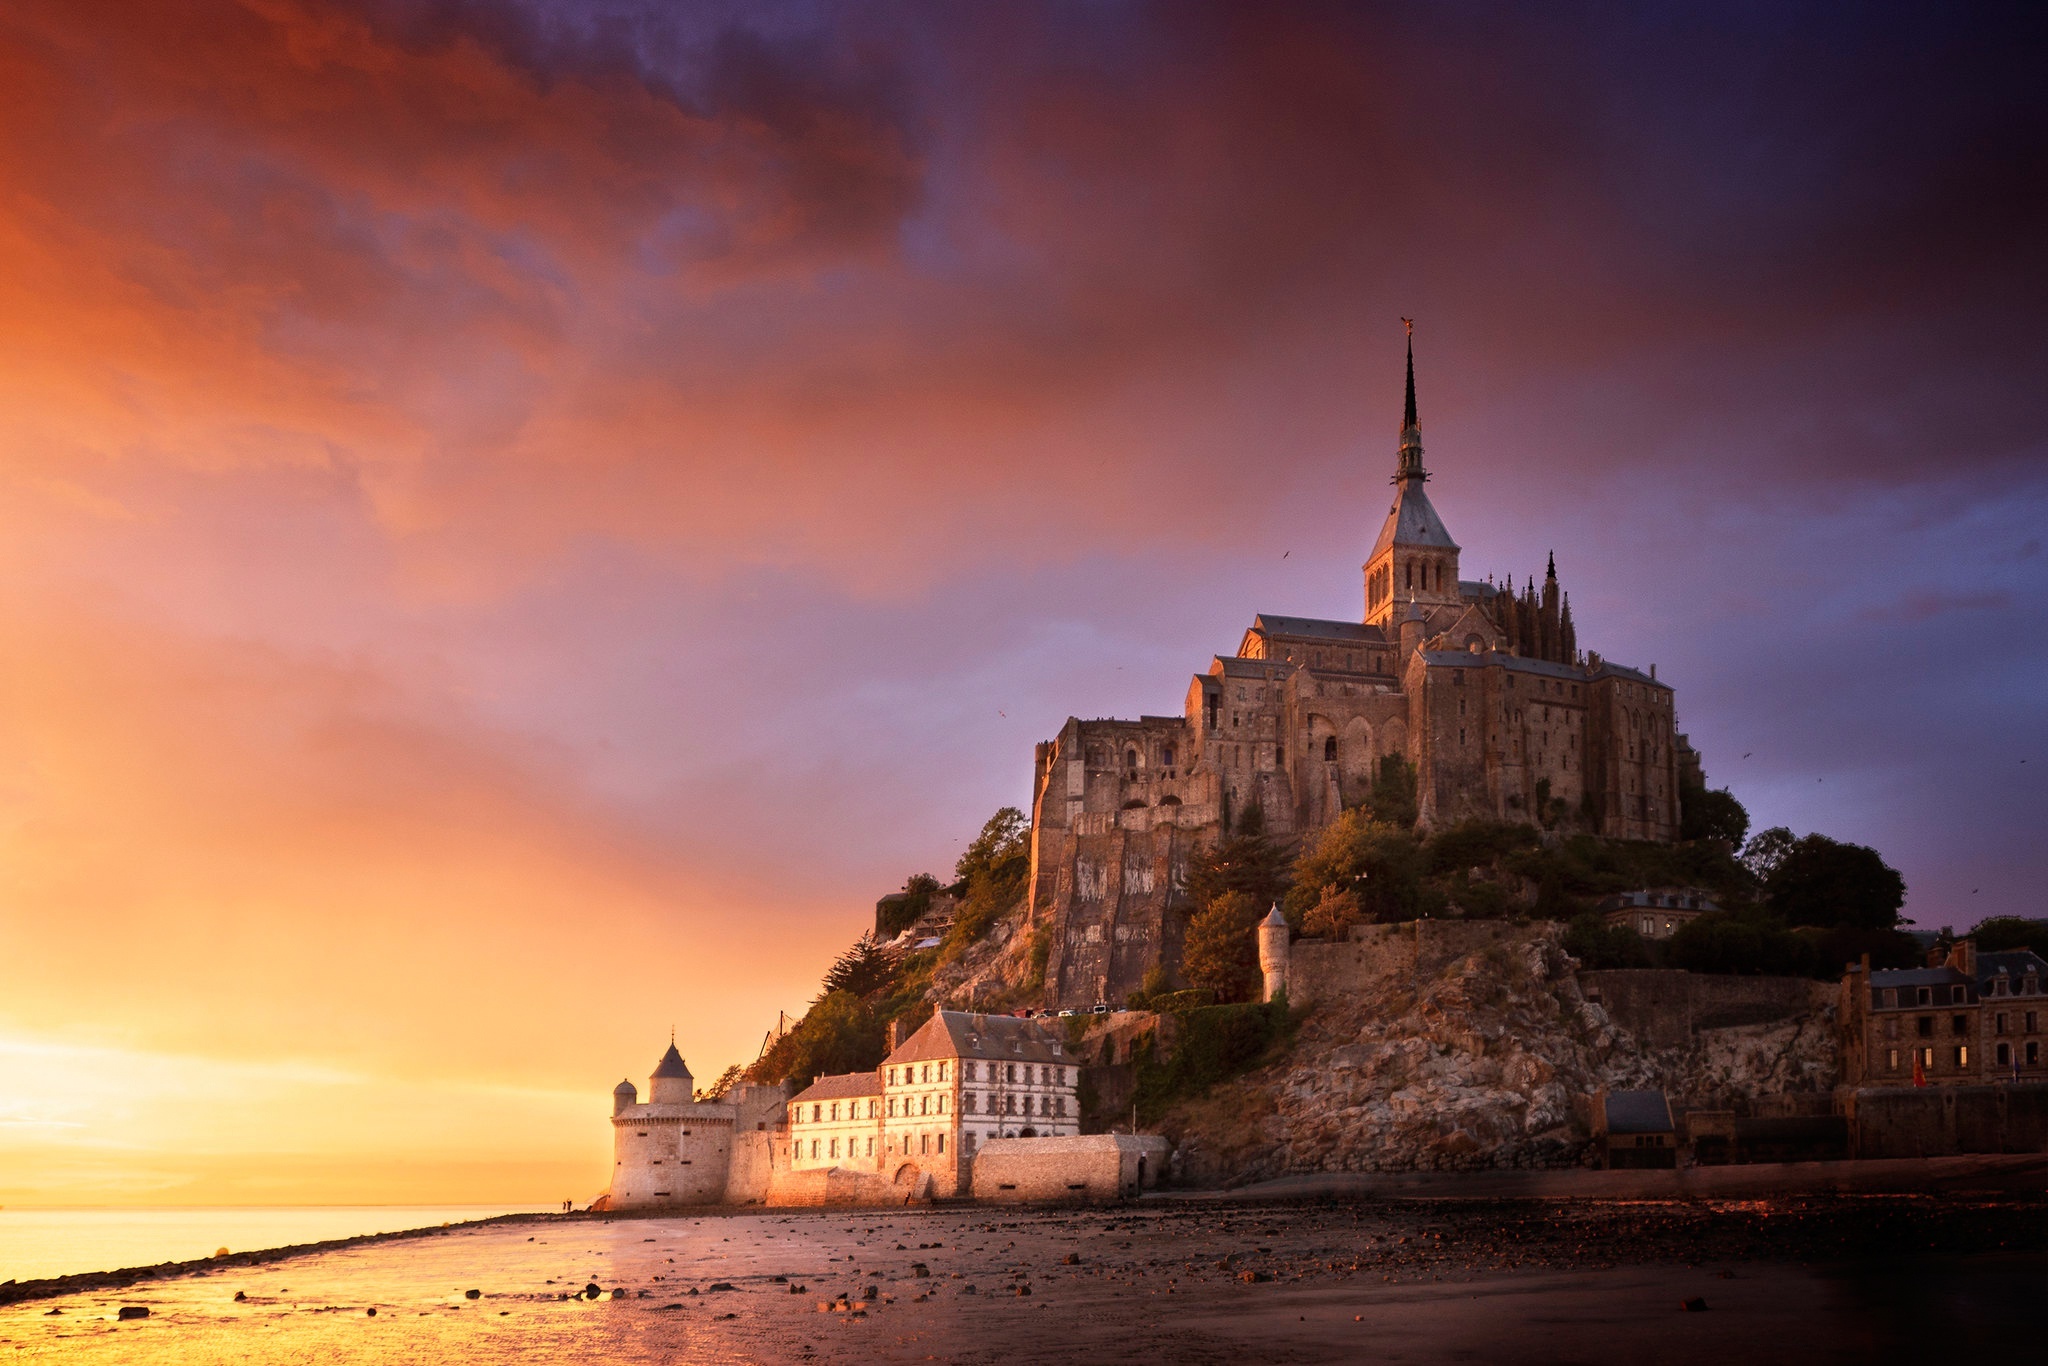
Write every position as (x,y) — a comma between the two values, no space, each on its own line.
(1414,559)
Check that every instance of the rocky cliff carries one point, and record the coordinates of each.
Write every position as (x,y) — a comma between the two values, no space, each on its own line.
(1472,1046)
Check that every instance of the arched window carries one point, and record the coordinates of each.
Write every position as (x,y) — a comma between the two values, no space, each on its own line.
(1330,750)
(1131,760)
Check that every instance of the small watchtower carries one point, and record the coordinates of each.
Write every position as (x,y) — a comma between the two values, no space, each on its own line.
(1273,952)
(671,1082)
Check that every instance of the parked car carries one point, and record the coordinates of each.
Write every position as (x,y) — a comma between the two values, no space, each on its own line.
(1101,1008)
(1065,1013)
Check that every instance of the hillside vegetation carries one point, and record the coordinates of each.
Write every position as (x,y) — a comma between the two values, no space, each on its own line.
(1791,904)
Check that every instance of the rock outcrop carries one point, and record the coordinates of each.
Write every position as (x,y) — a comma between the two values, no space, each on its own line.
(1474,1046)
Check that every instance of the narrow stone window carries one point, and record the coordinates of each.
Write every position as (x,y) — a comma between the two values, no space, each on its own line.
(1330,750)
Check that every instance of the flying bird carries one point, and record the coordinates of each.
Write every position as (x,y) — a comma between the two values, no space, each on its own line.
(1753,751)
(1284,556)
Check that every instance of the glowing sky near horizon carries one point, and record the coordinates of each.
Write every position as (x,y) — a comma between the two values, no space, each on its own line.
(518,521)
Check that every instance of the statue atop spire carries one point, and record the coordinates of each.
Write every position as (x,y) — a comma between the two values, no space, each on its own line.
(1410,466)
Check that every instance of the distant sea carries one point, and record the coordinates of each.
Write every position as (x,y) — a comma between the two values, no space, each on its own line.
(35,1243)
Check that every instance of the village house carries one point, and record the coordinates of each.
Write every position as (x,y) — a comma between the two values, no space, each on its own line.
(1655,912)
(1966,1019)
(953,1084)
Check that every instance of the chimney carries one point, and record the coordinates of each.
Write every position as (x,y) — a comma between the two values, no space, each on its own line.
(899,1030)
(1963,958)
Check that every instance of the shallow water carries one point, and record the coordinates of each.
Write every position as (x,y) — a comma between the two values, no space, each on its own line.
(36,1243)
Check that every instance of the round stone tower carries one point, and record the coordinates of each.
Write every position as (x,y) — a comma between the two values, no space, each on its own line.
(671,1082)
(1273,952)
(623,1095)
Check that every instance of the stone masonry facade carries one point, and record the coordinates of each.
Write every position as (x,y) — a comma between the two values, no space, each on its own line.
(1481,689)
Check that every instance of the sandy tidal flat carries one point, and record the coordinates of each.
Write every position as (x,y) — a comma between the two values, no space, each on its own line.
(1822,1279)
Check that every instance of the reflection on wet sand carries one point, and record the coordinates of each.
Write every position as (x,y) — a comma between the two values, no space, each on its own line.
(1189,1282)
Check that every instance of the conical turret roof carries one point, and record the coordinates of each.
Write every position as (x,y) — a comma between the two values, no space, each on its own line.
(671,1064)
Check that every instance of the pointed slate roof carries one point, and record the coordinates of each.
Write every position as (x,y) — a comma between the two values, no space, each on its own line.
(1411,520)
(671,1064)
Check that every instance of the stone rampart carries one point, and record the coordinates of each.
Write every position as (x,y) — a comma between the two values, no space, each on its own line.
(1079,1167)
(819,1186)
(753,1168)
(1374,958)
(1665,1008)
(1936,1121)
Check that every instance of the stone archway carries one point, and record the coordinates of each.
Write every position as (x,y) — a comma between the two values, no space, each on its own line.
(906,1175)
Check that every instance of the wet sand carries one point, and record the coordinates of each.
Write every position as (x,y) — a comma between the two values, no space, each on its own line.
(1827,1278)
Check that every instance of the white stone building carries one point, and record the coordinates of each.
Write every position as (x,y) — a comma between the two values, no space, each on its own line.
(955,1083)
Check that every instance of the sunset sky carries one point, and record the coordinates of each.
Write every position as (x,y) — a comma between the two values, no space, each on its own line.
(519,521)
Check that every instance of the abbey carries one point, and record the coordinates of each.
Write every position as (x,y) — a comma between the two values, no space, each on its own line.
(1481,690)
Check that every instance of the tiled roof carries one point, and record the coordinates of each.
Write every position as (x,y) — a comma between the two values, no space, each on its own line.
(2016,962)
(1521,664)
(842,1086)
(1917,977)
(1412,521)
(1316,628)
(1638,1112)
(1235,666)
(958,1034)
(1607,670)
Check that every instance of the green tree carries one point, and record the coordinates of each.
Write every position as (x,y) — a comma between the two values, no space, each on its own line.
(1004,839)
(992,875)
(1824,882)
(1714,814)
(1766,850)
(2004,933)
(1597,944)
(839,1033)
(864,969)
(720,1089)
(1248,861)
(1392,798)
(1222,951)
(1333,915)
(1378,863)
(1743,945)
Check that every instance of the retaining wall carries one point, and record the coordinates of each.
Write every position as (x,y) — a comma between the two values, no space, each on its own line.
(1079,1167)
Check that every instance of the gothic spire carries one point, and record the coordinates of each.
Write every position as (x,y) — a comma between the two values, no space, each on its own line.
(1551,572)
(1408,413)
(1410,466)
